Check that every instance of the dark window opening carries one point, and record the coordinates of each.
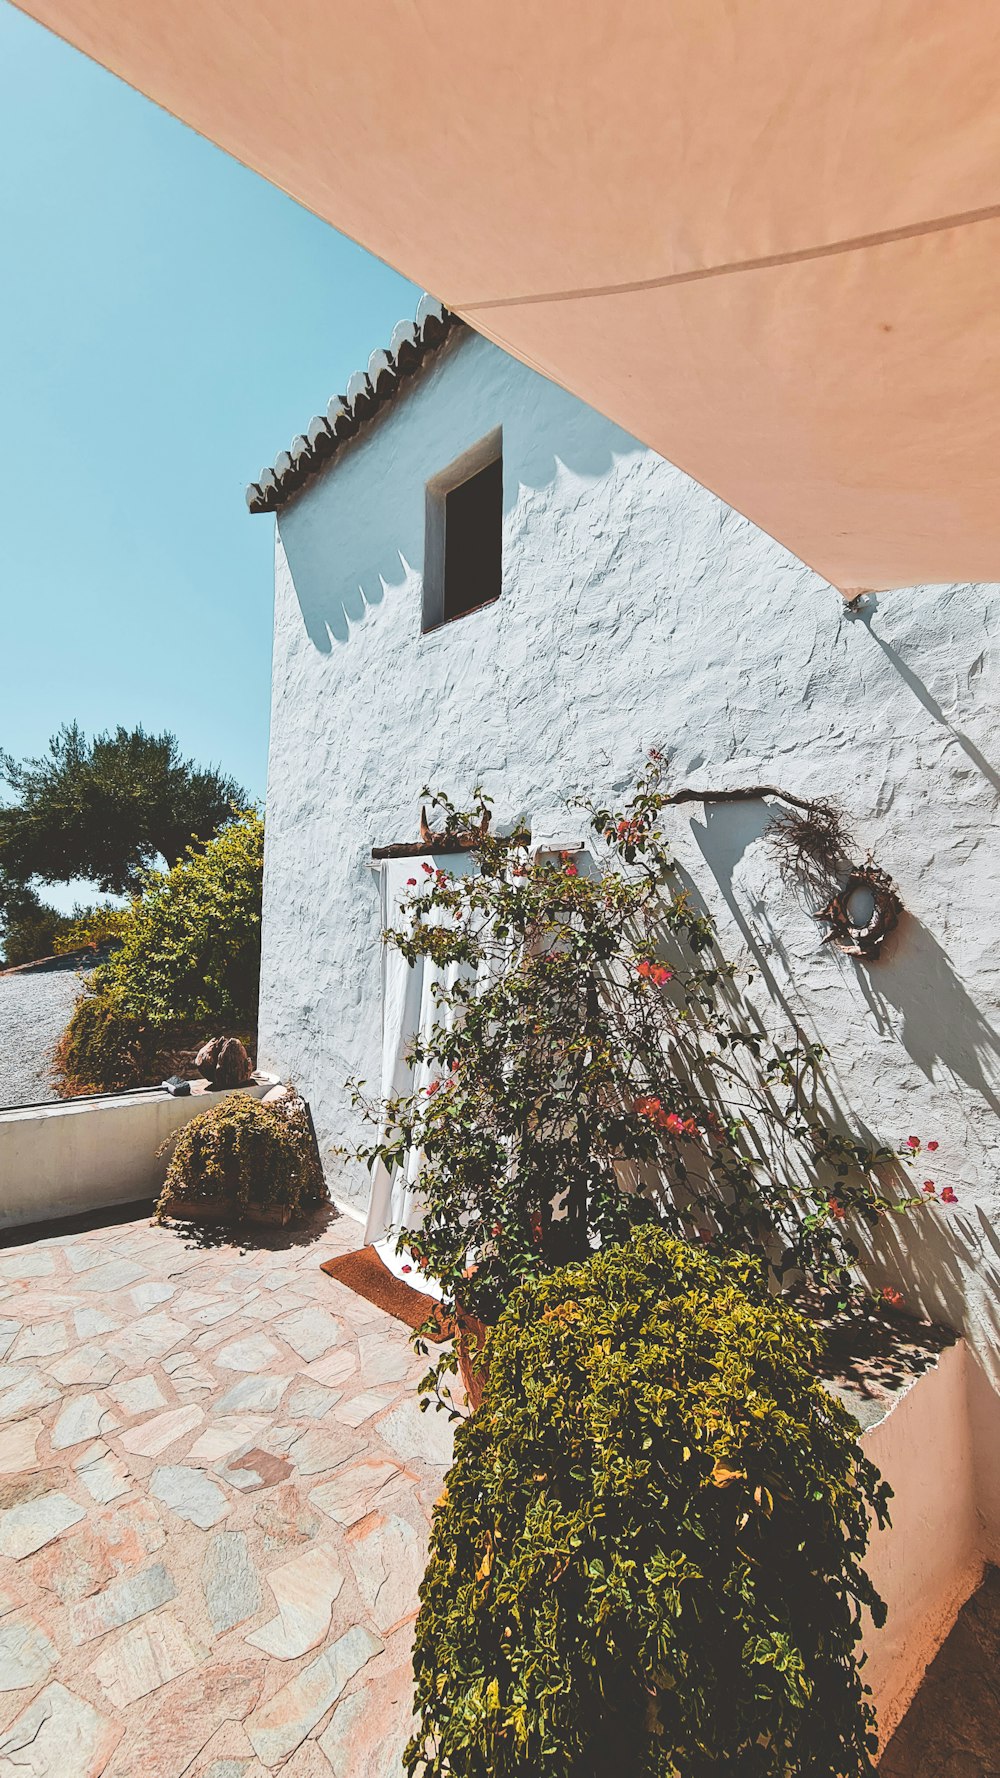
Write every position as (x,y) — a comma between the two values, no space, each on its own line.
(463,555)
(472,518)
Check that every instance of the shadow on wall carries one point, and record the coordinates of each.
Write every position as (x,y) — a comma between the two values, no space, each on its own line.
(942,1027)
(356,532)
(917,1000)
(924,697)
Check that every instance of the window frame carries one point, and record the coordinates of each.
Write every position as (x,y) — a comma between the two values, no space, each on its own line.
(482,455)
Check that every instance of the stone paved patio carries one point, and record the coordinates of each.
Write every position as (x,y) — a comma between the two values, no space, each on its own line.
(215,1486)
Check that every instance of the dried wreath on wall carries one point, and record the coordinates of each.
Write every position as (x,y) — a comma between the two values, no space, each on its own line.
(865,938)
(813,844)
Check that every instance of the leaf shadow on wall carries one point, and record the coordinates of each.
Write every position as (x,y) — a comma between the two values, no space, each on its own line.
(942,1027)
(355,534)
(918,1001)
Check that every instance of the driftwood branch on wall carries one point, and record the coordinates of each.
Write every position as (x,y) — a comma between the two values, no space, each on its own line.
(745,794)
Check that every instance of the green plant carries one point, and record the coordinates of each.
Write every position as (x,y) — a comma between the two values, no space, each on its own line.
(647,1557)
(29,927)
(244,1157)
(593,1066)
(106,1047)
(93,928)
(188,960)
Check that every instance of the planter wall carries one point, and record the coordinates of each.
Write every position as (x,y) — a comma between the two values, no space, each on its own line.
(77,1155)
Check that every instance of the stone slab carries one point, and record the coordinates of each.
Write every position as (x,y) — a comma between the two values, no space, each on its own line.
(144,1658)
(26,1527)
(354,1490)
(154,1436)
(26,1654)
(190,1494)
(277,1726)
(229,1581)
(126,1599)
(58,1735)
(304,1592)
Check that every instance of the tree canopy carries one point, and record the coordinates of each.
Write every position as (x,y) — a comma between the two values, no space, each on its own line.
(108,808)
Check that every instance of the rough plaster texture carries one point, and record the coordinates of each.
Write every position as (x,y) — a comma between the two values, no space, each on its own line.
(637,609)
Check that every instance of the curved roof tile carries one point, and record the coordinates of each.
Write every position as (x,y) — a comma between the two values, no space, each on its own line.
(367,392)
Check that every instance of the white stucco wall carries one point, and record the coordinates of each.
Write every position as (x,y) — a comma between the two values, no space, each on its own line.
(638,610)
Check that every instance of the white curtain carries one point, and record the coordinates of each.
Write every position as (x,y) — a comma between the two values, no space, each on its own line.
(408,1008)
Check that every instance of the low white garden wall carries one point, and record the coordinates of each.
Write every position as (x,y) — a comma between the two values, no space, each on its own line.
(931,1560)
(79,1155)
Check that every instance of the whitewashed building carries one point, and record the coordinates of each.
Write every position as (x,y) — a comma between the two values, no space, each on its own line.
(480,580)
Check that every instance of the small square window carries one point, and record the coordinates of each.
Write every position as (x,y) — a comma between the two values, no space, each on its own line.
(462,556)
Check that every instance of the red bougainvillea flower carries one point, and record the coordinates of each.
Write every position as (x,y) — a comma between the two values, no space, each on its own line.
(892,1297)
(836,1210)
(428,869)
(913,1141)
(433,1087)
(929,1185)
(948,1196)
(406,1268)
(648,1107)
(411,882)
(660,975)
(643,968)
(571,870)
(932,1147)
(674,1124)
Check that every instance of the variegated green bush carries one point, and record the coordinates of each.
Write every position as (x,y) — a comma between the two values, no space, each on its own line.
(647,1563)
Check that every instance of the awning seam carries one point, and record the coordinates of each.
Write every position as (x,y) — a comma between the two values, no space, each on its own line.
(795,256)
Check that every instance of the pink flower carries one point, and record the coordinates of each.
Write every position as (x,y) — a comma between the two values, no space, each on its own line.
(433,1087)
(571,870)
(644,968)
(932,1147)
(913,1142)
(929,1185)
(406,1268)
(948,1196)
(661,976)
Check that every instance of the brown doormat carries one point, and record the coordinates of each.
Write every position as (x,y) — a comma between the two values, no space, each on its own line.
(364,1273)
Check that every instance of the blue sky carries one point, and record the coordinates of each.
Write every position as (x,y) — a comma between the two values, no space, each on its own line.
(168,322)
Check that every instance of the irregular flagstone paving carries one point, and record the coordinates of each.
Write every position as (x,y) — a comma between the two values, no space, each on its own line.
(215,1488)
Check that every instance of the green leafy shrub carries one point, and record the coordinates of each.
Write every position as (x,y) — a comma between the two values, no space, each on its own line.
(647,1558)
(106,1047)
(93,928)
(188,964)
(245,1159)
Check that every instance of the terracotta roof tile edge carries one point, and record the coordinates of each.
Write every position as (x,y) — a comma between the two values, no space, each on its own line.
(368,391)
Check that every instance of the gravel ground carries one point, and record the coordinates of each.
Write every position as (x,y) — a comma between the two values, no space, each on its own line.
(34,1011)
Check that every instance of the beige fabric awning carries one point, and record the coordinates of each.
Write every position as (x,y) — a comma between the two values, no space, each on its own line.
(763,235)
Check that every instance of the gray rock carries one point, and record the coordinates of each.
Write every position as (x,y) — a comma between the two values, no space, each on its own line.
(229,1581)
(26,1654)
(127,1598)
(260,1394)
(191,1495)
